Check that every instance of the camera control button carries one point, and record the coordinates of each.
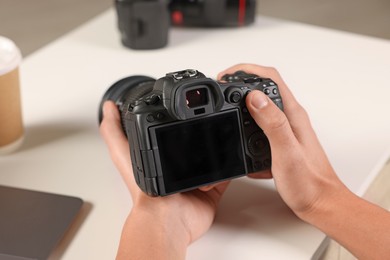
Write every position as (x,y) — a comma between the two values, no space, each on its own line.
(252,79)
(258,144)
(275,91)
(267,91)
(151,100)
(235,97)
(150,118)
(160,116)
(138,103)
(131,107)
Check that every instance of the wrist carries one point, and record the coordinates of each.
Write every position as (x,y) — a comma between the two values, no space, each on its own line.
(358,225)
(327,204)
(153,233)
(323,193)
(165,218)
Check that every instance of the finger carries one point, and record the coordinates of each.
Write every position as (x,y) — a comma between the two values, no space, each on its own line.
(289,101)
(207,187)
(215,194)
(265,72)
(111,129)
(113,135)
(262,71)
(266,174)
(296,115)
(221,187)
(212,186)
(272,120)
(244,67)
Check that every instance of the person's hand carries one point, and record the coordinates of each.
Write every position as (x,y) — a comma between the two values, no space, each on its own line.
(300,168)
(305,179)
(181,217)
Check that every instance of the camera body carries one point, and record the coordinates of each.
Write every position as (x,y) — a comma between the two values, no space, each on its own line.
(186,130)
(144,24)
(216,13)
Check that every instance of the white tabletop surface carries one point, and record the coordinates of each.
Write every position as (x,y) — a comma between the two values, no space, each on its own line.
(342,80)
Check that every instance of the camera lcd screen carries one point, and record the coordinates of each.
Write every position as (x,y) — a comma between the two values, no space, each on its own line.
(200,151)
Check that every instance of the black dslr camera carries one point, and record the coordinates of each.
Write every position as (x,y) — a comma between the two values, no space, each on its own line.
(144,24)
(186,130)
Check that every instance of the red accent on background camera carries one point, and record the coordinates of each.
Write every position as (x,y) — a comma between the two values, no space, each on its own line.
(177,17)
(241,12)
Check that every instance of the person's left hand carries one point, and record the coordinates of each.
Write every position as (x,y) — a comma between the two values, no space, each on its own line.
(194,211)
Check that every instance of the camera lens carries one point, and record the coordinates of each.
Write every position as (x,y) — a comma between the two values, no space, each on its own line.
(196,97)
(125,91)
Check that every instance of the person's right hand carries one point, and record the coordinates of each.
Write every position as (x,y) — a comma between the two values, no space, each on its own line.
(302,173)
(305,179)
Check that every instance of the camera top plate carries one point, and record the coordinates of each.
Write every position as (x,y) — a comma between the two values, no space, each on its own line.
(179,75)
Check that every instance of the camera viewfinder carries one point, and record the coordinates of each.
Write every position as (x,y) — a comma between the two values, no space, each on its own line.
(196,97)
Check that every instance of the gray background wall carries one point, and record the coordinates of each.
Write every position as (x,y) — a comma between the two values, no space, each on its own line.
(34,23)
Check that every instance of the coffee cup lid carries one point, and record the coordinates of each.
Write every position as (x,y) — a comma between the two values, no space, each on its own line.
(10,55)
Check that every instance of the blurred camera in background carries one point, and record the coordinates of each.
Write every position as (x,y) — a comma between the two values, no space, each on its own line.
(145,24)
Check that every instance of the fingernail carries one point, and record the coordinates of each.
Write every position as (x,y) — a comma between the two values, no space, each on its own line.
(259,100)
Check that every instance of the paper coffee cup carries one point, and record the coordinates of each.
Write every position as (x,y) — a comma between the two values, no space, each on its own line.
(11,124)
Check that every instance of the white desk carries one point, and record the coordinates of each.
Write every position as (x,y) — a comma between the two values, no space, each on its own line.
(342,79)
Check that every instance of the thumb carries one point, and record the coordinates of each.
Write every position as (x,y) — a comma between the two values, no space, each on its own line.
(271,119)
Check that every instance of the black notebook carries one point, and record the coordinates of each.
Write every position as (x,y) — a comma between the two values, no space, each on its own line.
(32,223)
